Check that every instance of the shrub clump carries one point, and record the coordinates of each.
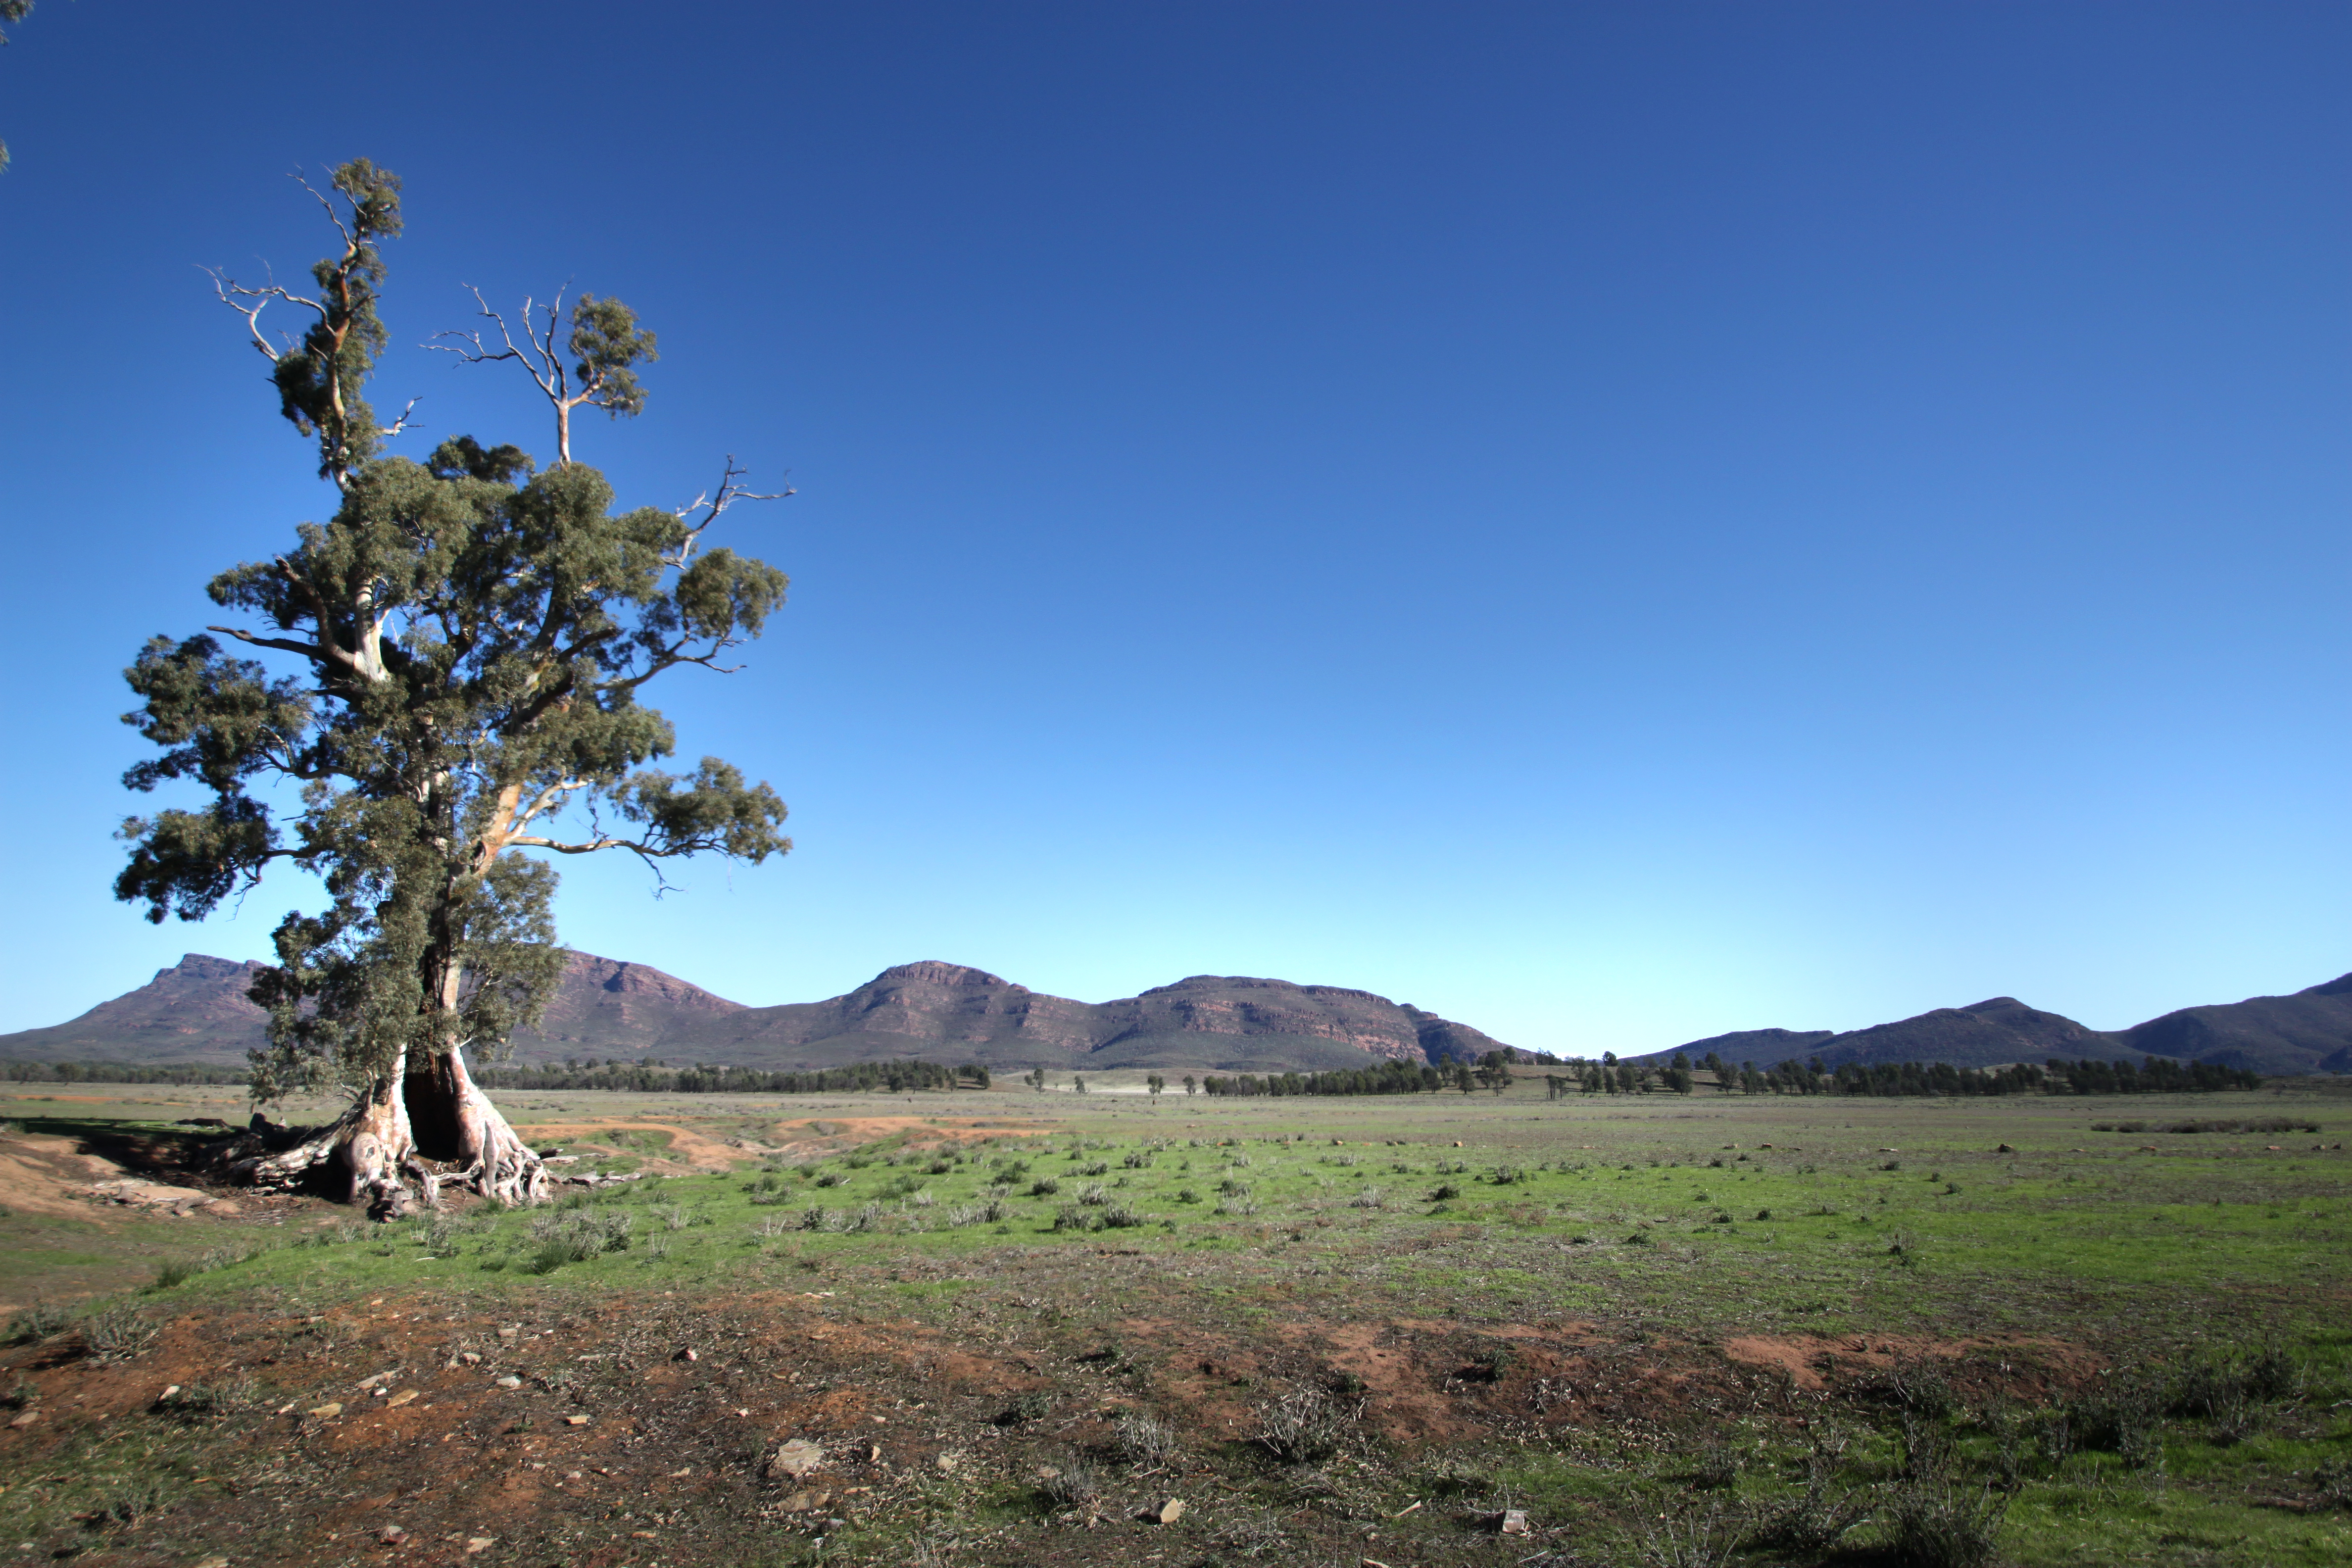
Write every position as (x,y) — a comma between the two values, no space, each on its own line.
(1304,1425)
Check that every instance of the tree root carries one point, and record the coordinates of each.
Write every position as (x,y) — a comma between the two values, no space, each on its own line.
(371,1154)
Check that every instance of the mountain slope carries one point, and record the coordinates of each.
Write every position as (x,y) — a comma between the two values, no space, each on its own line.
(1217,1022)
(2308,1032)
(196,1011)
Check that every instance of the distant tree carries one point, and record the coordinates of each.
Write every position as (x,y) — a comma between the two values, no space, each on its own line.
(1154,1083)
(1189,1087)
(1078,1084)
(1495,1070)
(469,636)
(1037,1080)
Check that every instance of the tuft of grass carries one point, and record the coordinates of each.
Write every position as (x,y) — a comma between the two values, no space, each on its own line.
(118,1333)
(1144,1440)
(1304,1425)
(1941,1523)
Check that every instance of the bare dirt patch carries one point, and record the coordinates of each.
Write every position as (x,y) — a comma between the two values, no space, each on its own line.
(2020,1365)
(700,1151)
(43,1174)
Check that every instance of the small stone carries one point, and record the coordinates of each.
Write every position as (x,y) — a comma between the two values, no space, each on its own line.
(806,1502)
(214,1563)
(575,1421)
(471,1358)
(797,1458)
(687,1355)
(510,1334)
(947,1462)
(391,1535)
(382,1377)
(1515,1521)
(325,1410)
(1172,1511)
(510,1381)
(26,1419)
(474,1544)
(167,1394)
(397,1400)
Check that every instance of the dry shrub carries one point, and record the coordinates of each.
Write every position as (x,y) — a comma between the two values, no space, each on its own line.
(1940,1523)
(1304,1425)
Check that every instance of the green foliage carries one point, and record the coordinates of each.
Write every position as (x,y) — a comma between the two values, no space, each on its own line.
(470,636)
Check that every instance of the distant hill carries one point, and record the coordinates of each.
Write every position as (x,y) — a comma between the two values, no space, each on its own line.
(1225,1023)
(2308,1032)
(196,1011)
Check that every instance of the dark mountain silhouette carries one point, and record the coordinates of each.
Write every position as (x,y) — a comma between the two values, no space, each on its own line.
(196,1011)
(2308,1032)
(1762,1046)
(1230,1023)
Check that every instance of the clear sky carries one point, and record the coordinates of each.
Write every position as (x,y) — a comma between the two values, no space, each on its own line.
(1613,522)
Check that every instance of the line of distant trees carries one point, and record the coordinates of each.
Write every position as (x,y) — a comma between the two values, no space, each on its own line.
(2155,1075)
(654,1076)
(116,1072)
(1492,1071)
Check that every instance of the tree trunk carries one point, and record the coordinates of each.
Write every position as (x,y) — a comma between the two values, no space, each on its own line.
(455,1121)
(374,1150)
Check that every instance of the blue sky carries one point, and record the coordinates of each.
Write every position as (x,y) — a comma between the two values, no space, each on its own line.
(1613,522)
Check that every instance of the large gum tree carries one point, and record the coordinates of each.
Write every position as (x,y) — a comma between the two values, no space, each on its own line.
(451,700)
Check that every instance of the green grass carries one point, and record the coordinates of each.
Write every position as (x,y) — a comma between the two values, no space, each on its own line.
(1634,1213)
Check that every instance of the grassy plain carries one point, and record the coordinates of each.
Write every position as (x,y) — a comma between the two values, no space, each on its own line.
(1018,1324)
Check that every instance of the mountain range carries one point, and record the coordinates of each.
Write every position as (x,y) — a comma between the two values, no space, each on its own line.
(196,1011)
(2308,1032)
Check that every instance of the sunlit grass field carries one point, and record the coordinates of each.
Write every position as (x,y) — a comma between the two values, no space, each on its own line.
(2006,1242)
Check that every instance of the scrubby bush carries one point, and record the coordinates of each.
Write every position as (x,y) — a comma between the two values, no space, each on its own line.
(38,1321)
(1940,1523)
(118,1333)
(1304,1425)
(1815,1519)
(1144,1440)
(1074,1485)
